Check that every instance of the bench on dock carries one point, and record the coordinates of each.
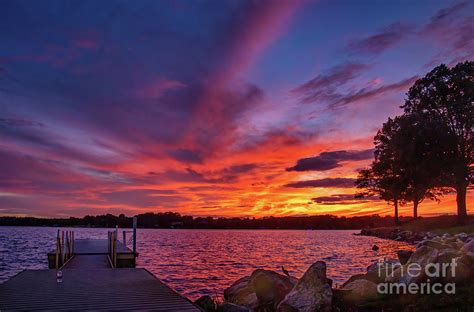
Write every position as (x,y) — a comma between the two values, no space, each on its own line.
(91,274)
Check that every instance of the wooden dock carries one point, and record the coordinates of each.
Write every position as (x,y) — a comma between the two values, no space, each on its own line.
(90,289)
(90,281)
(88,250)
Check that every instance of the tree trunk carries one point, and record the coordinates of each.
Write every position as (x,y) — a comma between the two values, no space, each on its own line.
(396,211)
(415,209)
(461,190)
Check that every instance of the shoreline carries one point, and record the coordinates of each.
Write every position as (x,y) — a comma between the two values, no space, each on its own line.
(397,234)
(266,290)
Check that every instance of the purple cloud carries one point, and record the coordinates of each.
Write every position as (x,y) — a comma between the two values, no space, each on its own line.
(326,182)
(342,199)
(381,40)
(324,86)
(366,94)
(330,160)
(452,28)
(186,156)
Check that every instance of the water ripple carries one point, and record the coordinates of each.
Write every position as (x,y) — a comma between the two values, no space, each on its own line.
(200,262)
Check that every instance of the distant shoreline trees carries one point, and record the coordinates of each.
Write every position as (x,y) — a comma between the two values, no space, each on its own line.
(429,149)
(174,220)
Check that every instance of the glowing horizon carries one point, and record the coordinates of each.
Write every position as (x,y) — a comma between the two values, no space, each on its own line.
(207,110)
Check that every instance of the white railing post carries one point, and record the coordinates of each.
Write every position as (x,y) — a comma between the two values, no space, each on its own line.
(134,235)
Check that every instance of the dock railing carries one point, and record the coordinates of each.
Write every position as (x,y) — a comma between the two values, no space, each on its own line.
(112,248)
(64,247)
(133,238)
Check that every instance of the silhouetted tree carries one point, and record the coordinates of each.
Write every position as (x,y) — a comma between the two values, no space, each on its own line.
(447,95)
(385,177)
(417,147)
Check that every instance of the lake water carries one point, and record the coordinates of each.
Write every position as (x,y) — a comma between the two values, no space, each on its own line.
(205,262)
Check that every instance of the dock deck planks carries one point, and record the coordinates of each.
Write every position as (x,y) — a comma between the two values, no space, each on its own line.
(96,246)
(88,262)
(89,283)
(90,289)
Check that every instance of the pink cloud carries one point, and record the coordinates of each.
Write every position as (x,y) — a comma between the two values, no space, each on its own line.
(262,26)
(265,25)
(158,87)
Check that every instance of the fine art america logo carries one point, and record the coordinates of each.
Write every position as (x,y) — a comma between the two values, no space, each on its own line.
(406,279)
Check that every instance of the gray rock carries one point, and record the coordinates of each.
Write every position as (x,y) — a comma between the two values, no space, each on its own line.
(450,239)
(462,237)
(230,307)
(356,277)
(264,288)
(468,248)
(447,255)
(270,287)
(378,270)
(422,256)
(242,292)
(396,275)
(311,293)
(433,243)
(458,274)
(360,290)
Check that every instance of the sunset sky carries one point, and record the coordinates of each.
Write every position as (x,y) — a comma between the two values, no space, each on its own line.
(215,108)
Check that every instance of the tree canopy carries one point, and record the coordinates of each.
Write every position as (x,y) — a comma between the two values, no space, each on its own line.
(446,95)
(429,148)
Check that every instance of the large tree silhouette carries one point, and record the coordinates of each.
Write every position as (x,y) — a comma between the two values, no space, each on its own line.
(418,146)
(384,178)
(446,96)
(410,154)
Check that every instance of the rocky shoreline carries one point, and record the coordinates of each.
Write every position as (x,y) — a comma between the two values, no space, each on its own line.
(266,290)
(399,235)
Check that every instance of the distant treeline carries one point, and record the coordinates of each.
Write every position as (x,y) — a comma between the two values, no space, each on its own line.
(175,220)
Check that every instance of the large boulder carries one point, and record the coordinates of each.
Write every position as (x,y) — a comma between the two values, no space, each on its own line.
(434,243)
(270,287)
(447,255)
(311,293)
(458,273)
(463,237)
(396,274)
(378,270)
(422,256)
(242,292)
(356,277)
(263,288)
(360,290)
(468,248)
